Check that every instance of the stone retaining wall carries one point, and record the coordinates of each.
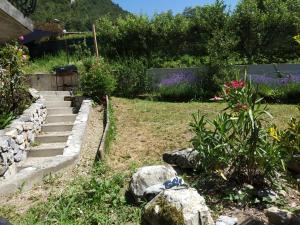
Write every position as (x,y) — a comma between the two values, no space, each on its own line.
(17,137)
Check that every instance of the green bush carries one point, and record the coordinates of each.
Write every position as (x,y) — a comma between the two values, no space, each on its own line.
(97,80)
(14,97)
(290,138)
(288,93)
(131,76)
(237,144)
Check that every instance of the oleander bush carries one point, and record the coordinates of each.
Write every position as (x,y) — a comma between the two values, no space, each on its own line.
(14,97)
(239,144)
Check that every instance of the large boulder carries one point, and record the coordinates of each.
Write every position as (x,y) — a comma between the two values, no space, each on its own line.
(177,206)
(147,177)
(281,217)
(294,164)
(183,158)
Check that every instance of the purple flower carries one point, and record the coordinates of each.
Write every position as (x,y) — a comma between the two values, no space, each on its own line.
(179,78)
(273,80)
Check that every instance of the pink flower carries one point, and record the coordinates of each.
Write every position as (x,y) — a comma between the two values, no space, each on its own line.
(24,57)
(216,98)
(237,84)
(21,38)
(234,84)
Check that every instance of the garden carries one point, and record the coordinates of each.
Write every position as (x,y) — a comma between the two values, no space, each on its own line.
(176,84)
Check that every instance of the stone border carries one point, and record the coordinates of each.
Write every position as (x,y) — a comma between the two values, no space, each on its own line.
(107,126)
(17,137)
(28,177)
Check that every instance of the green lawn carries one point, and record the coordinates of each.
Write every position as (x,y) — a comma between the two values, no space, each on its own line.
(145,129)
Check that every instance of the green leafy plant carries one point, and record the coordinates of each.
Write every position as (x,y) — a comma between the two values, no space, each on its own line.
(5,119)
(13,93)
(237,144)
(97,81)
(290,138)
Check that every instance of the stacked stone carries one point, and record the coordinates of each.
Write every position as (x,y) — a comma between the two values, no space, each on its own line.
(16,139)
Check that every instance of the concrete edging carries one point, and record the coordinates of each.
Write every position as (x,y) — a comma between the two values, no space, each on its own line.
(28,177)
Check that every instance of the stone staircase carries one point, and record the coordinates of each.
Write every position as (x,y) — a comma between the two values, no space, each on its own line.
(55,132)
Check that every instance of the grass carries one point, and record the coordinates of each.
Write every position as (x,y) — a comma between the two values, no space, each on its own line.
(94,199)
(145,130)
(48,62)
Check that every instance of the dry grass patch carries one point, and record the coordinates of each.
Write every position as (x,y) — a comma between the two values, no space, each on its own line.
(146,129)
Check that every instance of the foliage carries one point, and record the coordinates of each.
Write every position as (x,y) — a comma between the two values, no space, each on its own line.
(288,93)
(266,28)
(93,199)
(290,138)
(237,144)
(77,16)
(5,119)
(256,31)
(13,94)
(97,80)
(48,62)
(131,76)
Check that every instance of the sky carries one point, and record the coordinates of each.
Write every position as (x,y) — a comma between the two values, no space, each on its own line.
(149,7)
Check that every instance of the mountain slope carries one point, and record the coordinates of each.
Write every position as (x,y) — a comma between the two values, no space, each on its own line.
(77,16)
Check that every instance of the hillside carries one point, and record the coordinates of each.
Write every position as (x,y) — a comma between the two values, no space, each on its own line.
(77,16)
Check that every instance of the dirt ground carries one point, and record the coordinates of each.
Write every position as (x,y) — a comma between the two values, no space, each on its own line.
(57,183)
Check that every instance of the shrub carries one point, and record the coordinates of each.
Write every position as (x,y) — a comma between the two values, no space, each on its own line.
(290,138)
(98,80)
(13,93)
(237,144)
(131,76)
(288,93)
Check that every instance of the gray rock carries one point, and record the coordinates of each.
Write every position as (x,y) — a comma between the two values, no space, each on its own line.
(20,139)
(4,144)
(281,217)
(3,164)
(294,164)
(152,191)
(28,126)
(148,176)
(12,132)
(267,193)
(184,158)
(226,220)
(177,206)
(19,156)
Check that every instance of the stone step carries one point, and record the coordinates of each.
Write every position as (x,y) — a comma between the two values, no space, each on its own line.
(61,118)
(57,104)
(55,93)
(57,127)
(53,137)
(47,150)
(54,97)
(60,110)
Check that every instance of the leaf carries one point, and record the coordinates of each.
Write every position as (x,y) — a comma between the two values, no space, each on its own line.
(251,117)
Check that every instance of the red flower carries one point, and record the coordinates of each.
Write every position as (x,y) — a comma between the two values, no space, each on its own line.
(237,84)
(234,84)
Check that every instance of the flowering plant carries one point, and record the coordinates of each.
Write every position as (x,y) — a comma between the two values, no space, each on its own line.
(237,143)
(13,93)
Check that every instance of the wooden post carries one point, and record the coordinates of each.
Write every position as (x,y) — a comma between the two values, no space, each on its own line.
(95,41)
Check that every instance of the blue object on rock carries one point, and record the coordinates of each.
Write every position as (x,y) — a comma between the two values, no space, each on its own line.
(174,182)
